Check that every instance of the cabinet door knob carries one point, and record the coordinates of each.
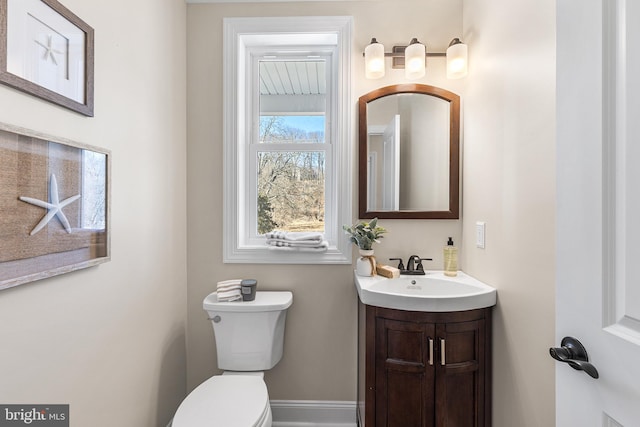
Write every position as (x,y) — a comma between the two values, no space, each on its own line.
(430,351)
(443,360)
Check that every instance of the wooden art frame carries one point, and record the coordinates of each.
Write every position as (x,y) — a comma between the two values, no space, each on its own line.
(54,206)
(47,51)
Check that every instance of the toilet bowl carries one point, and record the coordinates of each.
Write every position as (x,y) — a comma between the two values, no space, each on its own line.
(249,338)
(226,401)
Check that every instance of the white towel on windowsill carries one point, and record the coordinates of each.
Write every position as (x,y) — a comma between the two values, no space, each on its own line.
(302,241)
(318,248)
(229,290)
(295,236)
(289,244)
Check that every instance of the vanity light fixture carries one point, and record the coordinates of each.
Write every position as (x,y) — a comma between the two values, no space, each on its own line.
(374,60)
(413,59)
(456,59)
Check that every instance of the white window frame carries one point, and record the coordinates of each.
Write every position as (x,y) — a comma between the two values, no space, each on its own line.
(242,38)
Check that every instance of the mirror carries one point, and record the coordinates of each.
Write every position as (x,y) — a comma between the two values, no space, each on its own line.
(409,153)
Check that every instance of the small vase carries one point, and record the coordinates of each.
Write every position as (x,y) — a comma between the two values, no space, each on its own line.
(366,263)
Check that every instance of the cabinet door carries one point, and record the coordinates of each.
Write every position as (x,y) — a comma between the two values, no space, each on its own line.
(404,374)
(460,374)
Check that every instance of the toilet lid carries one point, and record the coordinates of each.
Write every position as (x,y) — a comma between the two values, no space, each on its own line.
(225,401)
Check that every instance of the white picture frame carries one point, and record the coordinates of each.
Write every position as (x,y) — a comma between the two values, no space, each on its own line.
(47,51)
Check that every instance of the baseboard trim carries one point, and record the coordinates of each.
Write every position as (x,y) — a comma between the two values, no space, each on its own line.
(307,413)
(303,413)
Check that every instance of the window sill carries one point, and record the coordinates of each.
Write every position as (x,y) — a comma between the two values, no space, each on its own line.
(263,255)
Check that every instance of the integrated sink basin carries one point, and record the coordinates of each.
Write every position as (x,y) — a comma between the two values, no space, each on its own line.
(432,292)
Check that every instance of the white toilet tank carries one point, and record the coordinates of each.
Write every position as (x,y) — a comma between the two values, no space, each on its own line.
(249,334)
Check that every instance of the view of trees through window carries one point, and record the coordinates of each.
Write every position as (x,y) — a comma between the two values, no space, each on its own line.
(291,181)
(94,197)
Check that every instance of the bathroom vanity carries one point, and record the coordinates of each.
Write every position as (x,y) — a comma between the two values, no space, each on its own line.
(423,368)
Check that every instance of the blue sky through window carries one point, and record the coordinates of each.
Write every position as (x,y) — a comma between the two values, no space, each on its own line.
(306,123)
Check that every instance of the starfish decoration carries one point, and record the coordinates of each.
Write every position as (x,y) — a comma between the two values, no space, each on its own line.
(54,208)
(49,50)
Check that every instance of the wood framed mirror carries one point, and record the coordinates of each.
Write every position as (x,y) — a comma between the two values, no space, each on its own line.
(409,153)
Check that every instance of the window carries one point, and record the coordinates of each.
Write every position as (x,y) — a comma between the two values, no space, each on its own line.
(292,145)
(286,137)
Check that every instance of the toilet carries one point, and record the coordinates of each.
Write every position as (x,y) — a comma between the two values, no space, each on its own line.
(249,340)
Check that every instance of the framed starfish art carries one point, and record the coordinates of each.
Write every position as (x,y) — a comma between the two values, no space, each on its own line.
(54,206)
(47,51)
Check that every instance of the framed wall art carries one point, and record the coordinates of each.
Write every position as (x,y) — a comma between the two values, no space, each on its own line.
(47,51)
(54,206)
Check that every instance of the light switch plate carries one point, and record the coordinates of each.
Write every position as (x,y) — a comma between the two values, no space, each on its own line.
(480,229)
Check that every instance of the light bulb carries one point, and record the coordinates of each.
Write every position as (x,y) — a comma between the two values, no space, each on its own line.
(456,60)
(374,60)
(414,60)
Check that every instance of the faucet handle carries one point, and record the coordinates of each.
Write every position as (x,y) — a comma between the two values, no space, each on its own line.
(419,266)
(400,264)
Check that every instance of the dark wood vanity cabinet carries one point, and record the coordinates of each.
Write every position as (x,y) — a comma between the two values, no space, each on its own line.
(424,369)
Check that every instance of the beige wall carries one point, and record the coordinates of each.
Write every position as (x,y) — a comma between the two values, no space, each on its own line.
(110,340)
(319,360)
(509,182)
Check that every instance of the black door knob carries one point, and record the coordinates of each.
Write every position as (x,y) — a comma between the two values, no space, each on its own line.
(573,353)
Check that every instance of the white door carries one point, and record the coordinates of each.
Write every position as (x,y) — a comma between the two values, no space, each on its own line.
(598,209)
(391,165)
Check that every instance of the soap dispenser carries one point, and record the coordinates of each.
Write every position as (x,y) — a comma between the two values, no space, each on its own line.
(450,259)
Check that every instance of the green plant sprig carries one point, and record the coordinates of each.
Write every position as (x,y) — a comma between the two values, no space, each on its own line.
(364,234)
